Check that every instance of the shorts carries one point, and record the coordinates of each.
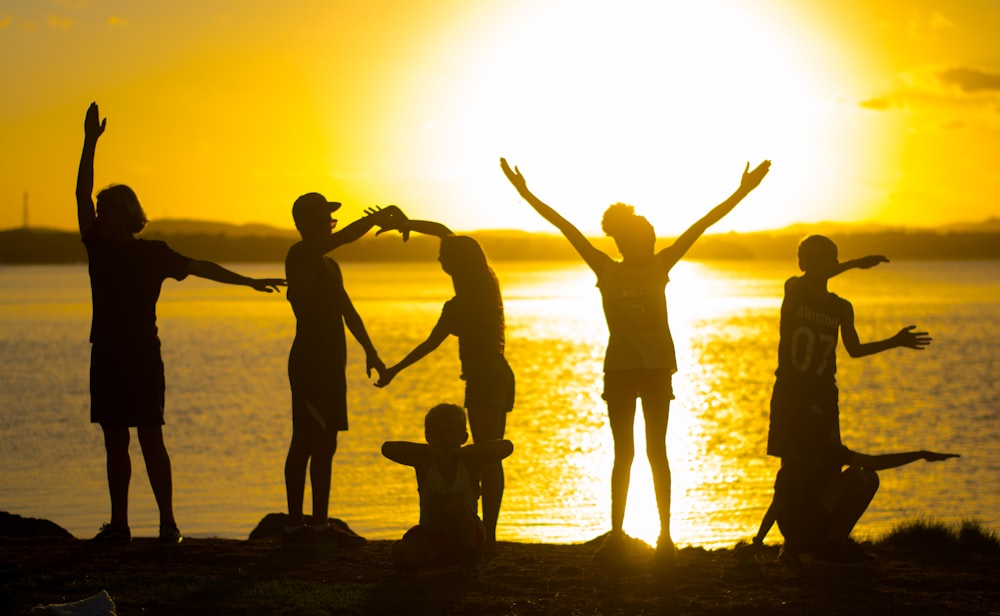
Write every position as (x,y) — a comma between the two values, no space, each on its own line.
(446,547)
(489,386)
(319,393)
(653,386)
(126,385)
(801,422)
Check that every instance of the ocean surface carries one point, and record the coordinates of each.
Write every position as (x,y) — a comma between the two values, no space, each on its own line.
(229,419)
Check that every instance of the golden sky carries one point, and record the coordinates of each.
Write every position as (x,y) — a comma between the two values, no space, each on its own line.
(871,110)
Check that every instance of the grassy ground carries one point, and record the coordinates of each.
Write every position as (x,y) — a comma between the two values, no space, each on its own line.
(921,569)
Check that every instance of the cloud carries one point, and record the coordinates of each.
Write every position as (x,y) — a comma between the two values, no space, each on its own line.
(5,21)
(881,103)
(117,21)
(971,80)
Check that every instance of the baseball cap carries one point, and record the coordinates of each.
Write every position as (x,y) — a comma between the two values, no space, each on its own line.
(312,205)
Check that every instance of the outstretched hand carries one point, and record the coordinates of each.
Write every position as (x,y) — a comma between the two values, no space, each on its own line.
(268,285)
(932,456)
(93,125)
(514,176)
(911,339)
(390,218)
(751,179)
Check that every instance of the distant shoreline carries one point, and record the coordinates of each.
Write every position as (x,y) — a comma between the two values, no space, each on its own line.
(235,244)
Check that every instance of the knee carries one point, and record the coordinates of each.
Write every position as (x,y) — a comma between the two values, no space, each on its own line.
(865,479)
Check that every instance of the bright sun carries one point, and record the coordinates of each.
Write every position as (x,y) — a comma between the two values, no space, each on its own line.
(655,104)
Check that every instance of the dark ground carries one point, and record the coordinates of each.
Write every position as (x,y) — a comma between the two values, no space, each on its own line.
(222,576)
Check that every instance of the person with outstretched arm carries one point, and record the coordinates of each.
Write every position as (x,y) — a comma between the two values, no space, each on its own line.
(126,369)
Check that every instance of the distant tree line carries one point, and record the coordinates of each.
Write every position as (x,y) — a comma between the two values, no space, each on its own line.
(40,246)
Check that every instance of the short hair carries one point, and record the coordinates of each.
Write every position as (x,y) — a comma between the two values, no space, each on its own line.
(445,413)
(816,251)
(123,199)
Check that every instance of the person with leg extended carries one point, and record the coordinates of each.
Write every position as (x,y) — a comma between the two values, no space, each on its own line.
(816,503)
(318,359)
(475,316)
(126,369)
(448,479)
(640,360)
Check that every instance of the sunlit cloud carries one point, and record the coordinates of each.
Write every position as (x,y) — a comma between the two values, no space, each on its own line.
(971,80)
(117,21)
(60,23)
(5,21)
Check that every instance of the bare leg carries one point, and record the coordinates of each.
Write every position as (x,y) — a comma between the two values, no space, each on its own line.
(320,472)
(488,425)
(621,416)
(119,466)
(656,451)
(295,477)
(154,452)
(847,499)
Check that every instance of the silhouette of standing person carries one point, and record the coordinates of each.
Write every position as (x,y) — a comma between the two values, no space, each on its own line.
(475,315)
(318,359)
(639,361)
(816,503)
(126,369)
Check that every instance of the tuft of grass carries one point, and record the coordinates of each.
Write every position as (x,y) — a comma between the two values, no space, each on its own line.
(928,536)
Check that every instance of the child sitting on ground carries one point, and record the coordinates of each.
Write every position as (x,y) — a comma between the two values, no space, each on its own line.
(448,476)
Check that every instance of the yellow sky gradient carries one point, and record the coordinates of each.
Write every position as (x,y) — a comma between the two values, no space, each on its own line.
(877,111)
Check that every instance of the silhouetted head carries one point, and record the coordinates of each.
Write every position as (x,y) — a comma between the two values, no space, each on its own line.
(634,235)
(817,252)
(311,213)
(117,205)
(444,426)
(461,255)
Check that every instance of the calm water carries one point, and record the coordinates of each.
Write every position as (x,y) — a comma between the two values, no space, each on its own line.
(228,407)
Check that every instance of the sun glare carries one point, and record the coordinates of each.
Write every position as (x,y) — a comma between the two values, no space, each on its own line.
(655,104)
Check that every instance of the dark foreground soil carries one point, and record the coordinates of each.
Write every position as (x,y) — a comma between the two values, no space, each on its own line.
(222,576)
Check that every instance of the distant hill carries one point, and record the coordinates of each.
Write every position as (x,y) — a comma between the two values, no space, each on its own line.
(228,243)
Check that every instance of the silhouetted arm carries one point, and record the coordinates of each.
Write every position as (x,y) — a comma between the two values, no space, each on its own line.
(214,271)
(93,128)
(428,227)
(591,255)
(893,460)
(387,218)
(407,452)
(906,337)
(486,452)
(862,263)
(750,180)
(357,328)
(433,341)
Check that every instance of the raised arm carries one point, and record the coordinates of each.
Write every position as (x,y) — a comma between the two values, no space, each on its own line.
(591,255)
(893,460)
(749,181)
(214,271)
(93,128)
(387,218)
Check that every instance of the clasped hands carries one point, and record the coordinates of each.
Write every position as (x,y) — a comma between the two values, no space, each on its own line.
(390,218)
